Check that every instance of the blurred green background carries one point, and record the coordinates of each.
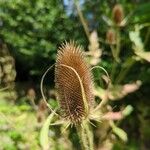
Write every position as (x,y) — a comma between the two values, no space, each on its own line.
(30,34)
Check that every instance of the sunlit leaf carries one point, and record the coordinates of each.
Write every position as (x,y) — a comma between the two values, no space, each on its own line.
(44,132)
(120,133)
(144,55)
(135,38)
(138,45)
(101,93)
(127,111)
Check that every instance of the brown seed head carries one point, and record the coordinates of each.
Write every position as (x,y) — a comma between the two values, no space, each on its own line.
(42,106)
(111,36)
(67,83)
(118,14)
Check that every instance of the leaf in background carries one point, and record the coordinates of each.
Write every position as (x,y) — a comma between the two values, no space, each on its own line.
(138,44)
(101,93)
(94,48)
(44,132)
(144,55)
(121,133)
(119,91)
(113,116)
(26,52)
(135,38)
(141,13)
(127,111)
(132,87)
(143,9)
(118,115)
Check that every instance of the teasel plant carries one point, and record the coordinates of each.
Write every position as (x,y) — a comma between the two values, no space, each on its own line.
(74,84)
(77,93)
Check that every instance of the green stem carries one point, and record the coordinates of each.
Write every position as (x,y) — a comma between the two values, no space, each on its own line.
(115,53)
(83,21)
(89,136)
(113,71)
(83,138)
(86,136)
(118,45)
(125,69)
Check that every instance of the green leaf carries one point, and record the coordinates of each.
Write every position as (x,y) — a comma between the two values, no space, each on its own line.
(26,52)
(44,132)
(127,111)
(144,55)
(135,38)
(142,9)
(121,133)
(138,45)
(141,13)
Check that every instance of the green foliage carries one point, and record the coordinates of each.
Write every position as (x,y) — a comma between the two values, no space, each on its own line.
(44,140)
(33,30)
(17,126)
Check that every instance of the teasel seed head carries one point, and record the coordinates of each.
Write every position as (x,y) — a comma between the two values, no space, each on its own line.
(118,14)
(111,36)
(73,81)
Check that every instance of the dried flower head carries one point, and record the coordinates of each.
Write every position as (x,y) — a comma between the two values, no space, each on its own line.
(73,81)
(42,106)
(118,14)
(111,36)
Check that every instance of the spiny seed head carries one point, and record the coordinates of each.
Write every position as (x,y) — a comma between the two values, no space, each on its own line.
(68,87)
(118,14)
(111,36)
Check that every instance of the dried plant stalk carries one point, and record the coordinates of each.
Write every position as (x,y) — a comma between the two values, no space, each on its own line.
(70,70)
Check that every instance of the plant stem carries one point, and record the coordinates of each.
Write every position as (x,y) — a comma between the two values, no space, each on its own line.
(115,53)
(83,138)
(118,45)
(125,69)
(113,71)
(89,136)
(83,21)
(114,65)
(86,136)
